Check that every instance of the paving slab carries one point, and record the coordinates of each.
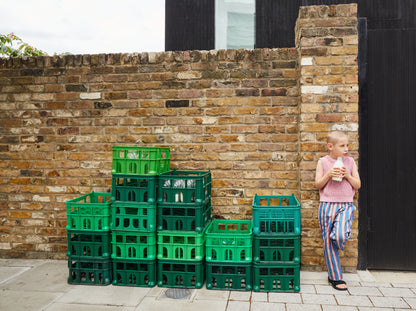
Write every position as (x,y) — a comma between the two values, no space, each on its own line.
(241,296)
(84,307)
(25,300)
(105,295)
(259,296)
(393,277)
(376,309)
(307,289)
(302,307)
(152,304)
(7,273)
(50,276)
(338,308)
(397,292)
(318,299)
(389,302)
(364,291)
(285,297)
(207,294)
(361,301)
(267,306)
(411,302)
(327,289)
(238,306)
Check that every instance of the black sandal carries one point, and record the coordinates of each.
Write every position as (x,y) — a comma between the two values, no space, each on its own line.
(336,283)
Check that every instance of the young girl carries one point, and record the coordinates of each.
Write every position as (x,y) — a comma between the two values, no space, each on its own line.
(336,202)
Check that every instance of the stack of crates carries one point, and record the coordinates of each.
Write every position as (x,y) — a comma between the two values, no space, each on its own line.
(183,214)
(229,255)
(276,243)
(133,227)
(88,237)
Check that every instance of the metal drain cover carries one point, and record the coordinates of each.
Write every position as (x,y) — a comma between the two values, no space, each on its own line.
(178,293)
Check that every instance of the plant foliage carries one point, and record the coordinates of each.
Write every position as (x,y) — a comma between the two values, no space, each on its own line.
(12,46)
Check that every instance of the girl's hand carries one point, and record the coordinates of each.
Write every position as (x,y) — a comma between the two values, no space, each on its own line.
(337,172)
(345,173)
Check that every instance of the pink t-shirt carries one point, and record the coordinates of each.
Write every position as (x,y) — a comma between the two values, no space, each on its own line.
(335,191)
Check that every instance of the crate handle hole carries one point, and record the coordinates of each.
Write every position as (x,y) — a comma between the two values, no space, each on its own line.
(131,196)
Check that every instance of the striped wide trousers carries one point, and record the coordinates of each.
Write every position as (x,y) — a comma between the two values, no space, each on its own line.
(335,220)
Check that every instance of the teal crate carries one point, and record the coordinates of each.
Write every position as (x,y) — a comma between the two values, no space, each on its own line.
(180,245)
(229,276)
(133,245)
(184,187)
(134,272)
(140,160)
(133,216)
(134,188)
(89,244)
(276,277)
(276,248)
(183,217)
(181,274)
(229,241)
(89,271)
(276,214)
(90,212)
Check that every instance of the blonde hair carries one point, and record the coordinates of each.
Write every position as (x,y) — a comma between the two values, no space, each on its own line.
(335,136)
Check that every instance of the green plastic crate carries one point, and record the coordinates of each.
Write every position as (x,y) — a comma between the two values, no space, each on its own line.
(89,271)
(89,244)
(276,214)
(229,276)
(133,245)
(132,216)
(134,272)
(140,160)
(229,241)
(276,277)
(182,274)
(180,245)
(183,217)
(184,187)
(90,212)
(276,248)
(134,188)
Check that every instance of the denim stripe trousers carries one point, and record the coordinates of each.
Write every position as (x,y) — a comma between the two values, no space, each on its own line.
(335,220)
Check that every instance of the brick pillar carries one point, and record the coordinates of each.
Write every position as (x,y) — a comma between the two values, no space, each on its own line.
(327,39)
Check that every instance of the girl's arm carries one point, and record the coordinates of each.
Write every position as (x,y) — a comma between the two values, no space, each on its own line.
(320,178)
(354,178)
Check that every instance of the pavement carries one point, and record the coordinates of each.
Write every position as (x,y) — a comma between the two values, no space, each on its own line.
(32,285)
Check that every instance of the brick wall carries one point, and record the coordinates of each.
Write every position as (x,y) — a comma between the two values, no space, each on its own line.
(255,118)
(327,39)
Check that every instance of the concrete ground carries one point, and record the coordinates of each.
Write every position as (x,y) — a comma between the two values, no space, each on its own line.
(32,285)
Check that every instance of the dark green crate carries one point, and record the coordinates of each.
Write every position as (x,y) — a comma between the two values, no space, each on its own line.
(134,272)
(90,212)
(133,245)
(181,245)
(140,160)
(183,217)
(229,241)
(134,188)
(89,244)
(276,214)
(184,187)
(229,276)
(276,248)
(133,216)
(182,274)
(276,277)
(89,271)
